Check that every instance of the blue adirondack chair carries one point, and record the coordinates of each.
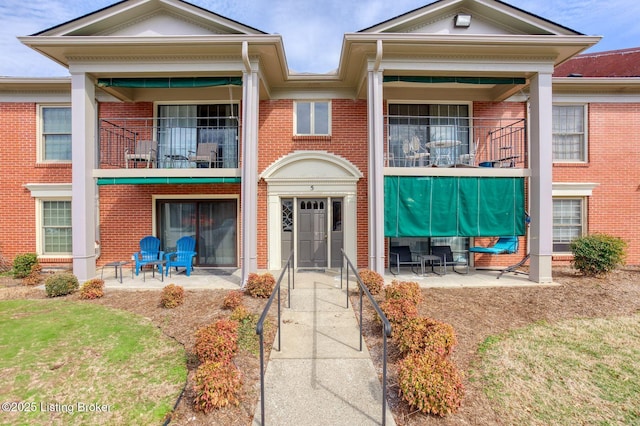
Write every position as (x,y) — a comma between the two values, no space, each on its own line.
(504,245)
(149,252)
(183,256)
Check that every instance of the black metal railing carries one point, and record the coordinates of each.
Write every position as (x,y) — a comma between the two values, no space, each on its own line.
(386,326)
(420,141)
(288,267)
(169,142)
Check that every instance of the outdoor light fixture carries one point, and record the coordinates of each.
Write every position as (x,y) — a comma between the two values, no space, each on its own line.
(462,20)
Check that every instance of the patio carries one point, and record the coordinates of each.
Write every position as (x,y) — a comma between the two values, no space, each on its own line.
(214,278)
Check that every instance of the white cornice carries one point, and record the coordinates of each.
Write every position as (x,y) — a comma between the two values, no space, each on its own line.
(573,189)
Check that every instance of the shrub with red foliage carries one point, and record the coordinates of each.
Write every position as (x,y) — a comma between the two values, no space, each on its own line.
(172,296)
(217,341)
(217,384)
(92,289)
(260,285)
(232,300)
(425,334)
(372,280)
(407,290)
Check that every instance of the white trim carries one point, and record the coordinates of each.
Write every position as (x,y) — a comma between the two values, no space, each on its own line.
(573,189)
(55,190)
(39,204)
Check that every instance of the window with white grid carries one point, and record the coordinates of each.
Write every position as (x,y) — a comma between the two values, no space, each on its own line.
(56,227)
(568,222)
(569,137)
(55,133)
(312,118)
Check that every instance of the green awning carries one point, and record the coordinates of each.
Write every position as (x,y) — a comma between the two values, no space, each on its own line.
(453,206)
(165,180)
(463,80)
(170,82)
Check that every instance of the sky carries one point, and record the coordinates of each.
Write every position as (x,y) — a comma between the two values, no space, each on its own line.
(312,30)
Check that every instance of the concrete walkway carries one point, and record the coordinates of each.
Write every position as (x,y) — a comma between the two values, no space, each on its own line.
(320,377)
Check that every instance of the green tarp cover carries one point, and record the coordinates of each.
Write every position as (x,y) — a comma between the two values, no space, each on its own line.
(169,82)
(464,80)
(453,206)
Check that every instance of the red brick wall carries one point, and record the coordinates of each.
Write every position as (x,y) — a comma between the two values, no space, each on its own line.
(348,139)
(126,213)
(18,154)
(614,163)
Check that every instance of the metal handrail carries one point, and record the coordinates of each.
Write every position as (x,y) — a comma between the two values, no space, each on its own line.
(288,267)
(386,325)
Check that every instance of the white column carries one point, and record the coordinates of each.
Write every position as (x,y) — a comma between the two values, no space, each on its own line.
(83,210)
(249,197)
(541,202)
(376,171)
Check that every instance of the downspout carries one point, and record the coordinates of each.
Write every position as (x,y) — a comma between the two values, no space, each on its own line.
(376,65)
(376,165)
(245,56)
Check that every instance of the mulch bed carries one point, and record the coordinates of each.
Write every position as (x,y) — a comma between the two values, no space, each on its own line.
(475,313)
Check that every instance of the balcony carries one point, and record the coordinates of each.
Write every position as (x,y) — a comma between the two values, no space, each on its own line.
(168,143)
(420,141)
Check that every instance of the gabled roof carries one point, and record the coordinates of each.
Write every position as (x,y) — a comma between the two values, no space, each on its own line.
(488,16)
(119,18)
(612,63)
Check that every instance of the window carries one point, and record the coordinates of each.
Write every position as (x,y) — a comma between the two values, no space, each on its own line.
(569,138)
(56,227)
(56,133)
(568,222)
(313,118)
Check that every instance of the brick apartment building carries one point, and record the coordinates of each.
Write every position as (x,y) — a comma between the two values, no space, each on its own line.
(452,124)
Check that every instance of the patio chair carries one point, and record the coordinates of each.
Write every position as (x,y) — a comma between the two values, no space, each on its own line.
(206,154)
(504,245)
(451,258)
(183,256)
(143,150)
(402,256)
(149,253)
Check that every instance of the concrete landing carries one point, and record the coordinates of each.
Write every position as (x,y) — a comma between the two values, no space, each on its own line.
(320,377)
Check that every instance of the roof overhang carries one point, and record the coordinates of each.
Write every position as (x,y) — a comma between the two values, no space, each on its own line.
(622,85)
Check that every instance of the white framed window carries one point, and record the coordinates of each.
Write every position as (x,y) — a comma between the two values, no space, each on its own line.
(569,133)
(312,118)
(55,133)
(569,221)
(54,225)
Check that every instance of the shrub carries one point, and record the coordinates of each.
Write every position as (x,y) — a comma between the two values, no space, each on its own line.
(92,289)
(398,310)
(240,314)
(172,296)
(373,280)
(232,300)
(425,334)
(430,383)
(407,290)
(61,284)
(34,277)
(598,254)
(217,385)
(23,263)
(260,285)
(217,341)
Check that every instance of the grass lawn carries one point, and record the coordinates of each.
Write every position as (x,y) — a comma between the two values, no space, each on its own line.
(73,363)
(575,372)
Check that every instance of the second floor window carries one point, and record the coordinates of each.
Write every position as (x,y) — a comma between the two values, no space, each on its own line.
(312,118)
(569,137)
(56,133)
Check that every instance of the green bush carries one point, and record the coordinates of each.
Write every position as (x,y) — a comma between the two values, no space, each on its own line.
(260,285)
(92,289)
(61,284)
(431,383)
(598,254)
(372,280)
(425,334)
(217,384)
(217,341)
(172,296)
(23,263)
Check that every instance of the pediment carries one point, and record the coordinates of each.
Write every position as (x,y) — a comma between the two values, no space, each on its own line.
(488,17)
(311,165)
(148,18)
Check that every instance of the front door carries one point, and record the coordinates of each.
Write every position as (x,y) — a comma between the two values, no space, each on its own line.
(312,233)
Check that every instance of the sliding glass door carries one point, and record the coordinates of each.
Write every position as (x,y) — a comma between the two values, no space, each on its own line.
(213,223)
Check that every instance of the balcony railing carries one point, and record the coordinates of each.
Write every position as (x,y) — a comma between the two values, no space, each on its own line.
(175,142)
(419,141)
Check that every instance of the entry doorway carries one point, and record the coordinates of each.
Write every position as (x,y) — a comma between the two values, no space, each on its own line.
(315,234)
